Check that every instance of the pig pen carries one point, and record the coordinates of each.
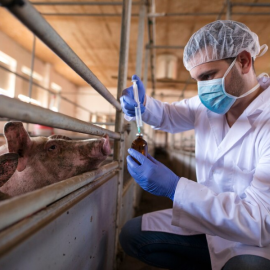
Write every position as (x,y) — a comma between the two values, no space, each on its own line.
(75,223)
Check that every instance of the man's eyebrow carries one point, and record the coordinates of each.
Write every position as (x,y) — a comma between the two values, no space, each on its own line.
(207,73)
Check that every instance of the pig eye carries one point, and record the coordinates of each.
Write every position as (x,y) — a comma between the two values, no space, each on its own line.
(52,147)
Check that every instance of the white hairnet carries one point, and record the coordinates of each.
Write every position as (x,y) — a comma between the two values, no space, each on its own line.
(219,40)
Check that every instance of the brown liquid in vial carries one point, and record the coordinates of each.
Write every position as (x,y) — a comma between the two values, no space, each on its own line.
(140,145)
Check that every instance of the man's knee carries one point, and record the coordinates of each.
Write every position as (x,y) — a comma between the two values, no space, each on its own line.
(247,262)
(128,237)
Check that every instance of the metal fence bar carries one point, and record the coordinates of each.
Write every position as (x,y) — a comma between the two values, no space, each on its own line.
(26,79)
(86,14)
(251,13)
(164,47)
(75,104)
(133,3)
(119,146)
(19,110)
(30,17)
(221,11)
(140,40)
(81,3)
(46,89)
(164,14)
(103,123)
(32,68)
(16,208)
(76,3)
(31,74)
(151,35)
(16,234)
(156,15)
(229,10)
(251,4)
(145,68)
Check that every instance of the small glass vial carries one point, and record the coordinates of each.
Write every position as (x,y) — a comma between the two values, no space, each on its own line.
(140,145)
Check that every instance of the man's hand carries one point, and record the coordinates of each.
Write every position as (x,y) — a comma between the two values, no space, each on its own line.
(127,100)
(152,175)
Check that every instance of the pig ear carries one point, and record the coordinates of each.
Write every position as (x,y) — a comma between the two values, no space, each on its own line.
(53,137)
(8,165)
(18,141)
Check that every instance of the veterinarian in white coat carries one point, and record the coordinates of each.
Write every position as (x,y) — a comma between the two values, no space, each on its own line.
(230,203)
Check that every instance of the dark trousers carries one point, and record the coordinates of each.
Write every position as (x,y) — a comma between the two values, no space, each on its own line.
(171,251)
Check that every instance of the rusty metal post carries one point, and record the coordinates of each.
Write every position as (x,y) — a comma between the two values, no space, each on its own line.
(145,72)
(137,191)
(76,3)
(31,75)
(32,69)
(140,39)
(229,9)
(119,146)
(151,35)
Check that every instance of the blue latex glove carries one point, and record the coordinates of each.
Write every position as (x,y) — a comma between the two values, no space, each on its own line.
(152,175)
(127,100)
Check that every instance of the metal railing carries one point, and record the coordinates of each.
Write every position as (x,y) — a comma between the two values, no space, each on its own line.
(19,110)
(227,3)
(119,146)
(92,3)
(15,109)
(45,89)
(11,210)
(19,207)
(24,228)
(31,18)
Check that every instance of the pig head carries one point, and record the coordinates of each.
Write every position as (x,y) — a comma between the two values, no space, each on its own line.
(39,161)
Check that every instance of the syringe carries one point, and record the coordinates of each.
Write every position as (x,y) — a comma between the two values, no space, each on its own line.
(138,108)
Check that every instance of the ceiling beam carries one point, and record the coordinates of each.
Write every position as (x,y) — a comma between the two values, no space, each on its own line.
(80,3)
(156,15)
(164,47)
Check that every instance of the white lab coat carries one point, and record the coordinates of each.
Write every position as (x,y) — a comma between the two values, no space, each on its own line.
(230,203)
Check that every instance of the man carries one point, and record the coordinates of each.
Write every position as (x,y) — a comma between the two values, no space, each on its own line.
(223,220)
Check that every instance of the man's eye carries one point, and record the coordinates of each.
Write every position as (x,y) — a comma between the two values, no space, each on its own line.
(207,77)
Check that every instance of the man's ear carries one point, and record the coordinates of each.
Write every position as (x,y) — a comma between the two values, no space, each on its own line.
(8,165)
(18,141)
(245,60)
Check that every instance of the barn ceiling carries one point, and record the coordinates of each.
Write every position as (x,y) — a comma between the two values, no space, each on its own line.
(96,39)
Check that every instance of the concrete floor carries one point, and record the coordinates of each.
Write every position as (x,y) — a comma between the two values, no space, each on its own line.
(149,203)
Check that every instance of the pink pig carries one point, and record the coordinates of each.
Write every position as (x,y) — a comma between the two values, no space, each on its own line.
(28,163)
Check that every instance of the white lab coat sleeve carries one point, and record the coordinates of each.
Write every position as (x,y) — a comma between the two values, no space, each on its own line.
(226,215)
(173,118)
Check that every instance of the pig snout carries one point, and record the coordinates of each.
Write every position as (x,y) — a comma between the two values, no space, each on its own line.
(106,148)
(99,148)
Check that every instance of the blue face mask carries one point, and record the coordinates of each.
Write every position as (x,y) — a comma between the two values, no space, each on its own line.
(213,95)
